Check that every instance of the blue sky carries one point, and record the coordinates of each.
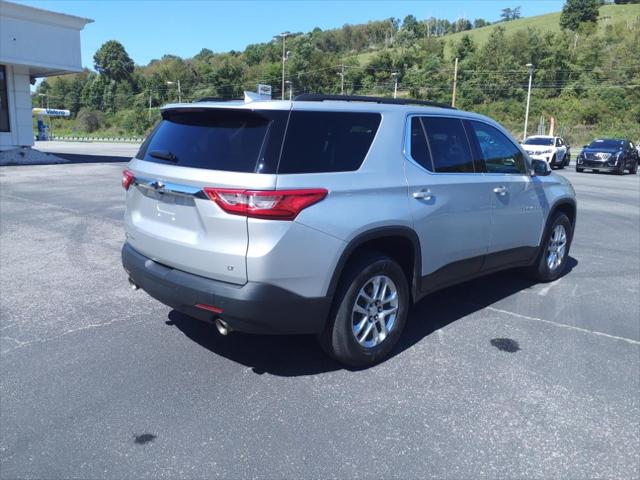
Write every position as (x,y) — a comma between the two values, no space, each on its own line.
(149,29)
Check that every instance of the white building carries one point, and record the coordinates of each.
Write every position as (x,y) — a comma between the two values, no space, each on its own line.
(33,43)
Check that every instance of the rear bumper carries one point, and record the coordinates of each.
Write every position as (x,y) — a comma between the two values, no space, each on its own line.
(251,308)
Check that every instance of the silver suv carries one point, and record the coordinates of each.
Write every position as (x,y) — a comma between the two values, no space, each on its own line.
(332,215)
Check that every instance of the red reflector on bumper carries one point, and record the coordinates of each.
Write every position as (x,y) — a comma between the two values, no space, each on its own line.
(210,308)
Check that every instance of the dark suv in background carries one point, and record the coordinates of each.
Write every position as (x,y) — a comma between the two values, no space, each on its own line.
(609,155)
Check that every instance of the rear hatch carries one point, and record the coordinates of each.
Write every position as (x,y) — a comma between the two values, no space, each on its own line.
(194,151)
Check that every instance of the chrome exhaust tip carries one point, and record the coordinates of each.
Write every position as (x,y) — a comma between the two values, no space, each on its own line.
(222,326)
(134,286)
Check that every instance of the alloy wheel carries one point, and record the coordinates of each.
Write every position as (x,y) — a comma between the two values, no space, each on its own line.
(556,248)
(374,311)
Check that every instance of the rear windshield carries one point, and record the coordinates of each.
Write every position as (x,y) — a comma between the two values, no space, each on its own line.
(538,141)
(252,142)
(229,140)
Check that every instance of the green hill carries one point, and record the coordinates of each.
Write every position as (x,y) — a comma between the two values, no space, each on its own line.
(609,15)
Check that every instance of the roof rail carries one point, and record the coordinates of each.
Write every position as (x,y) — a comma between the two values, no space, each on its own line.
(316,97)
(217,99)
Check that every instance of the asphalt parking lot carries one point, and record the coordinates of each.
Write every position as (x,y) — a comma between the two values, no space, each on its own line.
(494,378)
(89,152)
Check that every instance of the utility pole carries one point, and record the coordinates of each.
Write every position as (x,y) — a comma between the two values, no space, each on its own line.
(283,35)
(179,90)
(455,83)
(395,85)
(149,105)
(526,115)
(341,79)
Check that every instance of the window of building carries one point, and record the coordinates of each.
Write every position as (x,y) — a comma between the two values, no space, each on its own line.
(4,101)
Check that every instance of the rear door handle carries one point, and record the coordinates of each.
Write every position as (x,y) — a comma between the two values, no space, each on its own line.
(423,195)
(501,190)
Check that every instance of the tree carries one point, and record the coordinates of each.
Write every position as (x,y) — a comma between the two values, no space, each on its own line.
(578,12)
(89,120)
(112,61)
(509,14)
(411,24)
(462,24)
(480,22)
(465,48)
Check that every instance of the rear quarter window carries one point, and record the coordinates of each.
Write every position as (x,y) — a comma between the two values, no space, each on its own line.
(327,141)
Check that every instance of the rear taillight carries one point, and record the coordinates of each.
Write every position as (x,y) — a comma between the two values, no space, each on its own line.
(127,179)
(272,204)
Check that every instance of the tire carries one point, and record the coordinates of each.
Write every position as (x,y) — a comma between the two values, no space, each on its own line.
(579,170)
(559,166)
(620,170)
(634,170)
(567,160)
(339,339)
(543,270)
(553,163)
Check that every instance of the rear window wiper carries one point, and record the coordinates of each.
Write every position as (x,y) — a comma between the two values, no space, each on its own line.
(163,155)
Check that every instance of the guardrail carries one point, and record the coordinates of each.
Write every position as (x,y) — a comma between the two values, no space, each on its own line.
(96,139)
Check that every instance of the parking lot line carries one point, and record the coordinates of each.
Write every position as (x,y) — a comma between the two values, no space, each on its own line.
(561,325)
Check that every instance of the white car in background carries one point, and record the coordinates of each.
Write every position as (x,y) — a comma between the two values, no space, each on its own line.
(553,150)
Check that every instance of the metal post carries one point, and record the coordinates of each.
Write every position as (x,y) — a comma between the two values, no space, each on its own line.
(179,93)
(290,83)
(283,60)
(283,35)
(455,83)
(526,115)
(149,105)
(395,85)
(342,80)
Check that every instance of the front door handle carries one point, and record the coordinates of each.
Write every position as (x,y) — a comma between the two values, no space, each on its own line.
(423,195)
(501,190)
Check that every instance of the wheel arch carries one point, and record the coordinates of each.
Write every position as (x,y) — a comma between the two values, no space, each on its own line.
(390,240)
(567,206)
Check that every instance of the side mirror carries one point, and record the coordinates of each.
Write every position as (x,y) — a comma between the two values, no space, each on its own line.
(540,168)
(585,146)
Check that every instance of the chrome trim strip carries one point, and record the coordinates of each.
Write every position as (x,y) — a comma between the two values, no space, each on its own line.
(168,187)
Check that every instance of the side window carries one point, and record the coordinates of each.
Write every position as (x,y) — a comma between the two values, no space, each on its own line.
(559,142)
(499,153)
(449,146)
(419,149)
(327,141)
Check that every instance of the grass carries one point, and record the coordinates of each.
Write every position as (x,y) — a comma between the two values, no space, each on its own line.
(66,127)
